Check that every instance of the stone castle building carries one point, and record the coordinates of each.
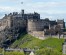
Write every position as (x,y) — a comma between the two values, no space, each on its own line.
(42,27)
(11,24)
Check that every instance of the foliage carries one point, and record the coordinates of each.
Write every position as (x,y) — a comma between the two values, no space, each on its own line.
(14,53)
(1,50)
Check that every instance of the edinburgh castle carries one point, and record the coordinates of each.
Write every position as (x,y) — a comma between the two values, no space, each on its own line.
(12,24)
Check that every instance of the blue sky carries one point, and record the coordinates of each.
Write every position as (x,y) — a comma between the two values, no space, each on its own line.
(52,9)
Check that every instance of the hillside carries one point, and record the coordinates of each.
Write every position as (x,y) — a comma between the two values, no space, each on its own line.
(28,41)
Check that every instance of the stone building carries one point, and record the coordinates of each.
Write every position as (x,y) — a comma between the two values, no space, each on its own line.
(61,23)
(14,23)
(42,27)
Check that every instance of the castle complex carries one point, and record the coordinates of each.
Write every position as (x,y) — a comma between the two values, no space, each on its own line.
(13,23)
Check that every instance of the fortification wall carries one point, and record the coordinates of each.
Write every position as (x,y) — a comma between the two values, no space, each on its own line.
(37,25)
(37,34)
(5,23)
(41,35)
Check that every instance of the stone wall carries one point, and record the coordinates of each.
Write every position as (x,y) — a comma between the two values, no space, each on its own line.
(37,34)
(18,22)
(61,23)
(37,25)
(5,23)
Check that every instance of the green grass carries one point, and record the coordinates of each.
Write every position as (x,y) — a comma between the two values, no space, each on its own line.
(1,50)
(52,43)
(14,53)
(28,41)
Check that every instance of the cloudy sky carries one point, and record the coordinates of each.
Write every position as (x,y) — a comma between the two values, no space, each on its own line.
(52,9)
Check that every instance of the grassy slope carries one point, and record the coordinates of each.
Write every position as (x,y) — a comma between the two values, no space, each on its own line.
(14,53)
(28,41)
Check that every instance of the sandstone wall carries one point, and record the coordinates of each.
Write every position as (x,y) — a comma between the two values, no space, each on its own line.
(37,34)
(37,25)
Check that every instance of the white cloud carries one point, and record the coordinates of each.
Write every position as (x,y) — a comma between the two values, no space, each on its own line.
(47,7)
(7,9)
(40,7)
(47,4)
